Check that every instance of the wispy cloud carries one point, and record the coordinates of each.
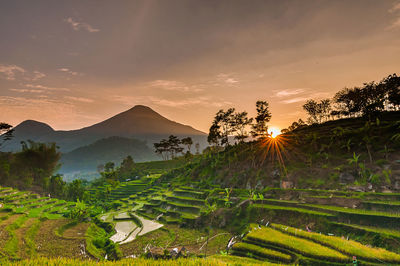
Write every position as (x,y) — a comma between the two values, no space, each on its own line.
(183,103)
(227,78)
(79,99)
(10,71)
(396,22)
(395,7)
(172,85)
(37,75)
(69,71)
(77,25)
(285,93)
(45,88)
(27,90)
(295,100)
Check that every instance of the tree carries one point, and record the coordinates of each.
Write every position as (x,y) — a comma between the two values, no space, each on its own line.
(260,128)
(318,112)
(239,122)
(221,127)
(197,147)
(56,186)
(174,147)
(126,168)
(162,148)
(311,107)
(36,163)
(6,132)
(188,142)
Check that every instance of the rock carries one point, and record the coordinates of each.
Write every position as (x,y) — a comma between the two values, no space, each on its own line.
(248,185)
(356,188)
(259,185)
(346,178)
(397,185)
(286,184)
(276,174)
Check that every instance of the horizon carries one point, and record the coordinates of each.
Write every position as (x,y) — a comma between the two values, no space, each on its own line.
(73,64)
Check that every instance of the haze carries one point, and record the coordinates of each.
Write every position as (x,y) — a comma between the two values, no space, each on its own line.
(74,63)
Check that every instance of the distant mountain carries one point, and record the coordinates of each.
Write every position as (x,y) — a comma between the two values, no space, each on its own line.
(112,149)
(139,122)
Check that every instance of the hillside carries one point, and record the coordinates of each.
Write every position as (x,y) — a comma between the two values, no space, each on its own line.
(139,122)
(112,149)
(349,153)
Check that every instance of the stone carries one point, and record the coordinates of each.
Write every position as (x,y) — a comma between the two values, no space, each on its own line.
(286,184)
(346,178)
(259,185)
(356,188)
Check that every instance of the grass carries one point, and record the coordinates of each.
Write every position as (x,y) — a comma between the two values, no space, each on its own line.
(354,211)
(262,252)
(293,209)
(93,234)
(350,247)
(217,260)
(30,238)
(11,247)
(307,248)
(389,232)
(60,230)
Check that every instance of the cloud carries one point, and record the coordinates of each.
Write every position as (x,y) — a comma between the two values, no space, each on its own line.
(295,100)
(26,90)
(37,75)
(67,70)
(227,78)
(9,71)
(77,26)
(169,85)
(395,24)
(286,93)
(172,85)
(79,99)
(45,88)
(183,103)
(395,7)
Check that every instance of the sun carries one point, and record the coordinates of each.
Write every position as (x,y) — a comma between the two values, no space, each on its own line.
(274,131)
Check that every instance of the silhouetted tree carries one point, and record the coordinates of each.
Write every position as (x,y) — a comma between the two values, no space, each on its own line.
(188,142)
(260,127)
(239,122)
(221,127)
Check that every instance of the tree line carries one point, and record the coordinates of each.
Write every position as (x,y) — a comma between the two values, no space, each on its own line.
(171,147)
(231,123)
(367,101)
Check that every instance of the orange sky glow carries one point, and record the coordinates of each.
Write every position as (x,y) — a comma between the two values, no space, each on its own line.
(75,63)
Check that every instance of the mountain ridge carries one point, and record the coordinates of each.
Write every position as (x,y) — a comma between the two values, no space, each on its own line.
(139,122)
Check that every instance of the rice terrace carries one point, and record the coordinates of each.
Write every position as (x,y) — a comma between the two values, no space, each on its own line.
(287,151)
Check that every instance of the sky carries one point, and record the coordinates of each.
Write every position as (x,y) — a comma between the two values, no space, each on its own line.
(74,63)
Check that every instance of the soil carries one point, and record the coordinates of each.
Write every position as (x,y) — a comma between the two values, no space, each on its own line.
(48,244)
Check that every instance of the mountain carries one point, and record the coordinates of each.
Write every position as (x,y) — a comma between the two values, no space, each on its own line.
(112,149)
(139,122)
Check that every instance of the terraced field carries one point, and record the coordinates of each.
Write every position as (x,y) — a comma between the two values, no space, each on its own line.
(29,225)
(284,244)
(304,227)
